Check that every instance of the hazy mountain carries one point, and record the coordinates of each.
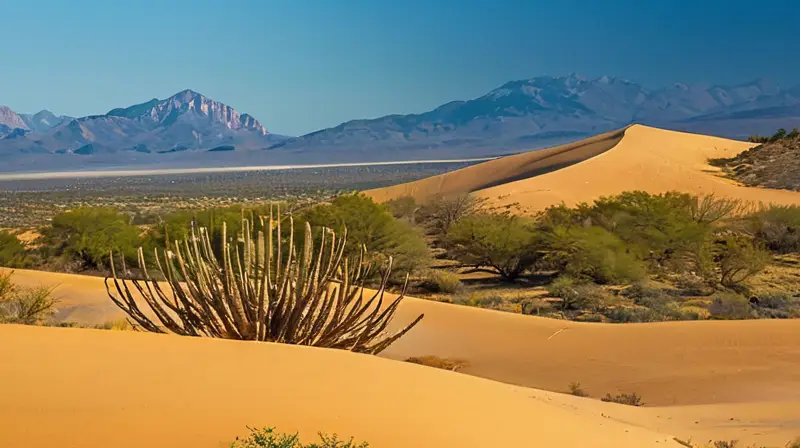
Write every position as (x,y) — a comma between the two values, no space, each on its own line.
(183,122)
(43,120)
(11,120)
(544,110)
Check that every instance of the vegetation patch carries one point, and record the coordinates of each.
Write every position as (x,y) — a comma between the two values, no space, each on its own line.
(269,438)
(440,363)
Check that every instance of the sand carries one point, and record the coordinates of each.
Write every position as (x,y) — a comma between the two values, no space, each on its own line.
(686,372)
(501,171)
(645,158)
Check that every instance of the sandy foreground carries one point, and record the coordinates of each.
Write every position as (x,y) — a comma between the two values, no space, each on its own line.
(699,380)
(645,158)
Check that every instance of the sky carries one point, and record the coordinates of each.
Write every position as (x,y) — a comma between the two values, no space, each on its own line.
(304,65)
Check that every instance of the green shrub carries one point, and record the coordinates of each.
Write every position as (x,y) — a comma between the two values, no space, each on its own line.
(776,305)
(502,243)
(88,234)
(372,225)
(12,251)
(404,207)
(577,296)
(268,438)
(776,227)
(631,399)
(27,306)
(442,282)
(728,305)
(592,253)
(694,313)
(739,260)
(628,315)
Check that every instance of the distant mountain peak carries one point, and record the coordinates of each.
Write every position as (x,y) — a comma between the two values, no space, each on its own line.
(11,119)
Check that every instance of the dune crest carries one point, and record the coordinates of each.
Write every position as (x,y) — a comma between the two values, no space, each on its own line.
(642,158)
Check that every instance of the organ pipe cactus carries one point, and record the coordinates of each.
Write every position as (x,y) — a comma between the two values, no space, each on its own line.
(261,290)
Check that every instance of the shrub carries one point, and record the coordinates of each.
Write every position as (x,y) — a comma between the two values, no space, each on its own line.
(627,315)
(372,225)
(694,313)
(268,438)
(631,399)
(12,251)
(453,365)
(499,242)
(442,282)
(776,305)
(404,207)
(739,260)
(577,296)
(593,253)
(88,234)
(441,212)
(577,390)
(262,290)
(776,227)
(728,305)
(116,325)
(27,306)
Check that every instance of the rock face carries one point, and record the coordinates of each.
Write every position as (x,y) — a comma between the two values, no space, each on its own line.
(182,122)
(10,119)
(545,110)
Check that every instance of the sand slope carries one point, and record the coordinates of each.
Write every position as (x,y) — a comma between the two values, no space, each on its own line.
(501,171)
(705,372)
(94,388)
(645,158)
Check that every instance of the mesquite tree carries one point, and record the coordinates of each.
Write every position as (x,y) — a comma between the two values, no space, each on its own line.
(261,289)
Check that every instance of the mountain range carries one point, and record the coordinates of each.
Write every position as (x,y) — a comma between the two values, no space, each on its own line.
(519,115)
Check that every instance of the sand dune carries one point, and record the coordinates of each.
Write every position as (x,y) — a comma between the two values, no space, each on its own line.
(94,388)
(705,372)
(645,158)
(501,171)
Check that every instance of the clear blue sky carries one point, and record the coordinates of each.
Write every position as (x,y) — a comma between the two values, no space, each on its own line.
(301,65)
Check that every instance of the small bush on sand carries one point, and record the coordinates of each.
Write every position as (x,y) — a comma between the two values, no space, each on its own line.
(268,438)
(631,399)
(694,313)
(577,390)
(115,325)
(12,251)
(440,363)
(27,306)
(442,282)
(729,305)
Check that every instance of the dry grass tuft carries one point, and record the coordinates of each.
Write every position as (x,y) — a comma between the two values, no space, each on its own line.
(453,365)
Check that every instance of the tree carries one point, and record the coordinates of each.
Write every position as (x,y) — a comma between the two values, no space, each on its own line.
(12,251)
(739,260)
(780,134)
(443,211)
(87,234)
(264,290)
(794,134)
(503,243)
(372,225)
(404,207)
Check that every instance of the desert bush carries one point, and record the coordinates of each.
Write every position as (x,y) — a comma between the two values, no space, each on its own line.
(404,207)
(635,314)
(691,284)
(576,295)
(739,260)
(12,251)
(592,253)
(758,138)
(776,227)
(694,313)
(502,243)
(480,301)
(441,212)
(263,290)
(453,365)
(776,305)
(372,225)
(88,234)
(269,438)
(780,134)
(535,306)
(631,399)
(577,390)
(729,305)
(115,325)
(27,306)
(441,281)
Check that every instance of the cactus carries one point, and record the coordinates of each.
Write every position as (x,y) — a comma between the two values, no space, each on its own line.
(261,290)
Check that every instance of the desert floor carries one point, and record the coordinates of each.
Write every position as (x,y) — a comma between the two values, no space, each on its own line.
(699,380)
